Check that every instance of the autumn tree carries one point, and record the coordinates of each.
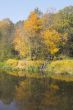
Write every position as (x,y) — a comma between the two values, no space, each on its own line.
(52,40)
(33,28)
(20,44)
(38,36)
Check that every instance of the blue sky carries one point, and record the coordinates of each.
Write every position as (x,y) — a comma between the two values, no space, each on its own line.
(19,9)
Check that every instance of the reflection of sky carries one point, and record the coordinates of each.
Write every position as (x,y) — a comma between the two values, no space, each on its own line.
(7,107)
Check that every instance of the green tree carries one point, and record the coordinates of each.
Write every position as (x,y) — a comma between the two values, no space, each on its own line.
(6,36)
(63,23)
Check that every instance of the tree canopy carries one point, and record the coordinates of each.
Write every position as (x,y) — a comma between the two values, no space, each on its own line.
(38,36)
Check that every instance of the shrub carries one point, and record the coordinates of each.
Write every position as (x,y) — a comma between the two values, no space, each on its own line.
(12,62)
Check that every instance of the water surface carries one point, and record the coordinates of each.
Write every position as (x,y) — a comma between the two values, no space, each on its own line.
(20,93)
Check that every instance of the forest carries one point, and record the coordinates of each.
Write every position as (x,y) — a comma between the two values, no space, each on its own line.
(38,40)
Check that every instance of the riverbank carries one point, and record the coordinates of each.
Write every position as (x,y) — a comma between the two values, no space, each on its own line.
(58,69)
(23,65)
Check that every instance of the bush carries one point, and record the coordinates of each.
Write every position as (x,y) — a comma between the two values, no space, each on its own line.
(12,62)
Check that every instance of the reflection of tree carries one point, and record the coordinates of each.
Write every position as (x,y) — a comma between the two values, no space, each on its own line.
(34,94)
(43,95)
(7,87)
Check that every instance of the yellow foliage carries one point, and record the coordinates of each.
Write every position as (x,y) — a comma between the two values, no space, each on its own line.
(20,44)
(52,39)
(54,86)
(12,62)
(59,67)
(32,29)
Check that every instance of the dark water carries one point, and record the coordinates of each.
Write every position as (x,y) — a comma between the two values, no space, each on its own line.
(34,94)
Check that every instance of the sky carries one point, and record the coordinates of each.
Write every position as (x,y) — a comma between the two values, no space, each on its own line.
(19,9)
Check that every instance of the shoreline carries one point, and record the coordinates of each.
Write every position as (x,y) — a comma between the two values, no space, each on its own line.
(59,69)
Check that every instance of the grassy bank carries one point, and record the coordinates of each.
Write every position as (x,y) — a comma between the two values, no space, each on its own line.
(23,65)
(59,69)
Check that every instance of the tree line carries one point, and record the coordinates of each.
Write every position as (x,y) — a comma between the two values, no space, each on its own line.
(40,36)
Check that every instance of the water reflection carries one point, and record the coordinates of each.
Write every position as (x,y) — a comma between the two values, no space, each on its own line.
(34,94)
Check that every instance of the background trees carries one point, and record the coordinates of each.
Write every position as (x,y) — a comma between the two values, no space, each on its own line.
(63,23)
(38,36)
(6,37)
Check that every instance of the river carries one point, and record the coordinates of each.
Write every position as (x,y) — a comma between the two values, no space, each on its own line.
(20,93)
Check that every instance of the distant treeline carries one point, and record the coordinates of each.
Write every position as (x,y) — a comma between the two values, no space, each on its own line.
(40,36)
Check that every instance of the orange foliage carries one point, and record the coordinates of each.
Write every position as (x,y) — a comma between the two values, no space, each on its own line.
(33,23)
